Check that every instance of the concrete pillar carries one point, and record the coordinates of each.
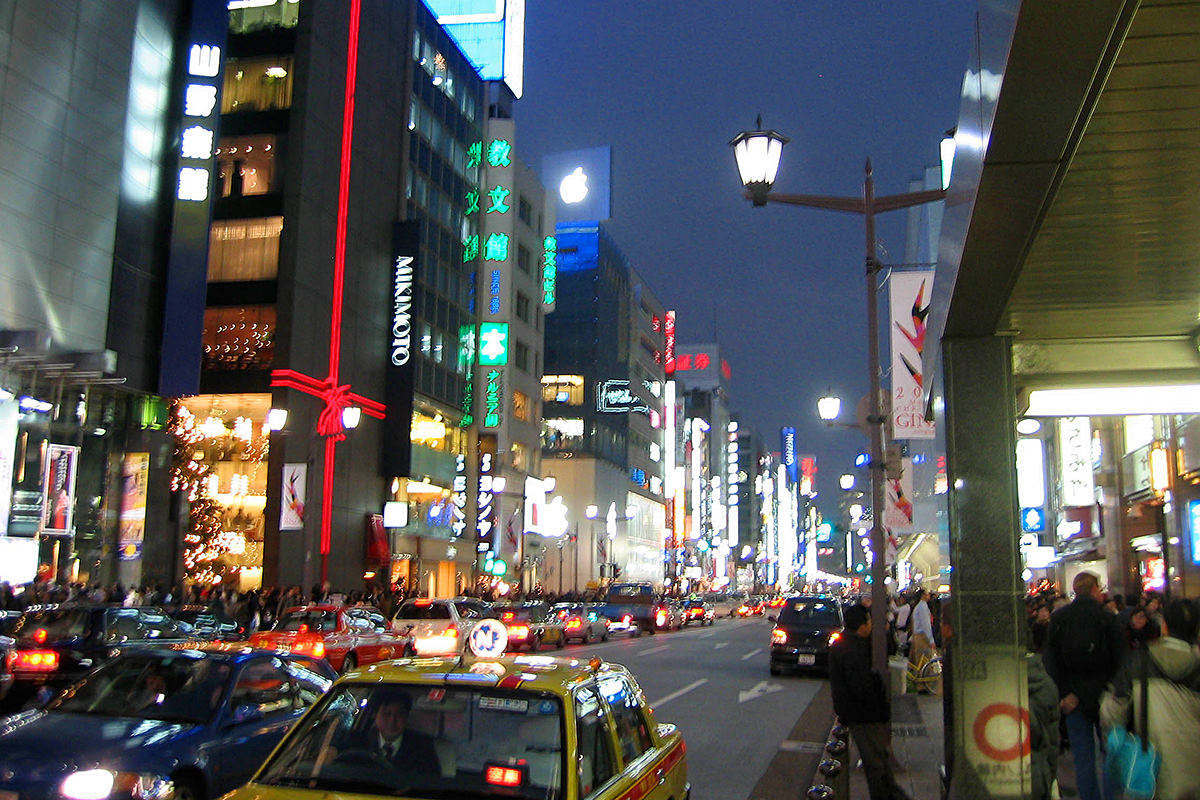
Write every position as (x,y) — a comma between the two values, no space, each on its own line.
(987,697)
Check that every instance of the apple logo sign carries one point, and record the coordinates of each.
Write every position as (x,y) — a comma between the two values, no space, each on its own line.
(573,187)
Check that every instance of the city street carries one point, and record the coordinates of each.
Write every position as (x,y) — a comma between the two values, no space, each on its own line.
(714,684)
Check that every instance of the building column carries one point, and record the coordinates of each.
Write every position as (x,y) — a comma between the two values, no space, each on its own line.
(986,699)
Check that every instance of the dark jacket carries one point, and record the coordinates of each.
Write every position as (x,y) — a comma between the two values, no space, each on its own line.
(1084,614)
(859,693)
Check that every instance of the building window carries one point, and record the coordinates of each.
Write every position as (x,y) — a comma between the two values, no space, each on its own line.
(520,353)
(525,210)
(520,459)
(257,84)
(239,338)
(244,249)
(524,259)
(522,307)
(562,434)
(246,165)
(264,17)
(563,389)
(521,406)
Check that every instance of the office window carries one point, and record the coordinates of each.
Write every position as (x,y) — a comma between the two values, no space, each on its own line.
(522,307)
(239,338)
(520,354)
(524,210)
(246,165)
(257,84)
(524,259)
(244,249)
(563,389)
(520,406)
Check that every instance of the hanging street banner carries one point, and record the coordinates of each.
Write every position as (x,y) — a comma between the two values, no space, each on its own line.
(8,447)
(295,490)
(58,491)
(135,470)
(908,298)
(898,514)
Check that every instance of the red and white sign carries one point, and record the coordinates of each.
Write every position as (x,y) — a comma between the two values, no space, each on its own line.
(669,348)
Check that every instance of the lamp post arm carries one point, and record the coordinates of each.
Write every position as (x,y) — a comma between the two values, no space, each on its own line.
(893,202)
(854,205)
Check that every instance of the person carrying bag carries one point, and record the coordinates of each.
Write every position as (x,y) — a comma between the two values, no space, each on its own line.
(1160,688)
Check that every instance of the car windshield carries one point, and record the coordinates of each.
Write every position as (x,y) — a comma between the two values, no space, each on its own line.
(426,610)
(174,687)
(805,611)
(322,621)
(52,625)
(454,742)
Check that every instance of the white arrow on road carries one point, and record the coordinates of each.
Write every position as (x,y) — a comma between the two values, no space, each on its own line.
(763,687)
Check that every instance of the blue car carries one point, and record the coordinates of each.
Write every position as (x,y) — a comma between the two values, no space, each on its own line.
(152,723)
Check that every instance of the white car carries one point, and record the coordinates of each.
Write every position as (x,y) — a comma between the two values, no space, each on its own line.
(439,627)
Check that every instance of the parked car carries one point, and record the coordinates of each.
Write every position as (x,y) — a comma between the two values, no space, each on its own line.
(513,726)
(530,625)
(345,636)
(804,629)
(582,621)
(57,645)
(195,721)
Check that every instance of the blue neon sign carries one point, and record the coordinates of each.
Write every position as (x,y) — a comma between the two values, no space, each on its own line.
(1193,519)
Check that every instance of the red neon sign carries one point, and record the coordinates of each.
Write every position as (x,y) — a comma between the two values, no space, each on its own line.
(337,396)
(669,335)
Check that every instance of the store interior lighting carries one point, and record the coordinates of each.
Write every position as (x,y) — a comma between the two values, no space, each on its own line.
(1114,401)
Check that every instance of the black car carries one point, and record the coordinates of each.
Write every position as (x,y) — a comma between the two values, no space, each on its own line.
(805,627)
(57,645)
(198,718)
(207,622)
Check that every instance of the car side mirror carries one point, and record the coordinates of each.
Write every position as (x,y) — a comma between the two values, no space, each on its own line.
(246,713)
(772,618)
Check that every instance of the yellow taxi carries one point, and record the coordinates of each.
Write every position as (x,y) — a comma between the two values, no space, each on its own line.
(484,725)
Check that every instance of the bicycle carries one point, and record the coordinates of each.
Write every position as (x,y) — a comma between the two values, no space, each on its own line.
(925,674)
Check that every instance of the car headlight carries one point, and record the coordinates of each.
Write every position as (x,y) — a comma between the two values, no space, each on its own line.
(101,784)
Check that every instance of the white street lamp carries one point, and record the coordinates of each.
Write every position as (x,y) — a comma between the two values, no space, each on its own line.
(757,153)
(350,416)
(828,407)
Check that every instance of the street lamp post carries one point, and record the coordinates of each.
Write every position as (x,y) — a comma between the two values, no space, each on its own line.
(757,153)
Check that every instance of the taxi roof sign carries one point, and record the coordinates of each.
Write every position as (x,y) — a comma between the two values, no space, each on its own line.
(488,639)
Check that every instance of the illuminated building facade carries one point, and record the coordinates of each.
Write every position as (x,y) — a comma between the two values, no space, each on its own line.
(603,406)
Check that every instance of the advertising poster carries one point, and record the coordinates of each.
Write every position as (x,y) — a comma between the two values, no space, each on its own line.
(134,473)
(8,446)
(58,491)
(898,515)
(291,507)
(908,298)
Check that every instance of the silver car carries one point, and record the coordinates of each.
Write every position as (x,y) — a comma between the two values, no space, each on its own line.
(582,621)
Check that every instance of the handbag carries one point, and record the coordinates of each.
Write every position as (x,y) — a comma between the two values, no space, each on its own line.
(1131,760)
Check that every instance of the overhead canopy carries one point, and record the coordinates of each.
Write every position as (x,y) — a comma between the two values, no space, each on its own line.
(1073,219)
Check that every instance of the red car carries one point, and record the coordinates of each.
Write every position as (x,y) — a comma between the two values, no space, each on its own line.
(344,636)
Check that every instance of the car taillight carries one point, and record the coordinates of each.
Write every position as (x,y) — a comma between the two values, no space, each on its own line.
(35,660)
(778,636)
(627,619)
(518,631)
(451,630)
(312,647)
(660,617)
(833,637)
(39,636)
(507,616)
(574,623)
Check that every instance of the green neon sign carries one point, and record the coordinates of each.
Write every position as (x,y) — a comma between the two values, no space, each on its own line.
(493,344)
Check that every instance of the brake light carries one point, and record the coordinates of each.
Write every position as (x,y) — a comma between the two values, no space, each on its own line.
(627,619)
(660,617)
(833,637)
(303,628)
(312,647)
(518,631)
(574,622)
(424,601)
(39,636)
(778,636)
(36,660)
(503,776)
(507,616)
(451,630)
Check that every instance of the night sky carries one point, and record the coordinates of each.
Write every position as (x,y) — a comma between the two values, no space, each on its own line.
(667,83)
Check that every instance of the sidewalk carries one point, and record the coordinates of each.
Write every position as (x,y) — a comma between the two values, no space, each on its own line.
(918,734)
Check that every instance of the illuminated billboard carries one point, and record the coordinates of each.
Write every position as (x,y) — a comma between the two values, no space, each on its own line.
(491,34)
(581,181)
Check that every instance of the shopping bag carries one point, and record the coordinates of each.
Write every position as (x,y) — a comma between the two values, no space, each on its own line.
(1131,763)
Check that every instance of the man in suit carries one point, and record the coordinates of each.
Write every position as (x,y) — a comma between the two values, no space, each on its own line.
(406,750)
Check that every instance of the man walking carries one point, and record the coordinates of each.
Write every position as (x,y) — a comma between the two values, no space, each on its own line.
(1084,648)
(860,700)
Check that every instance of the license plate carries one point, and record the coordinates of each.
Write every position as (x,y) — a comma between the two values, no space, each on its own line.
(806,658)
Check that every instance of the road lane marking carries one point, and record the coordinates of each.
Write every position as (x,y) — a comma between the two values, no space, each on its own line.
(797,746)
(658,649)
(719,645)
(680,693)
(752,653)
(760,689)
(704,635)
